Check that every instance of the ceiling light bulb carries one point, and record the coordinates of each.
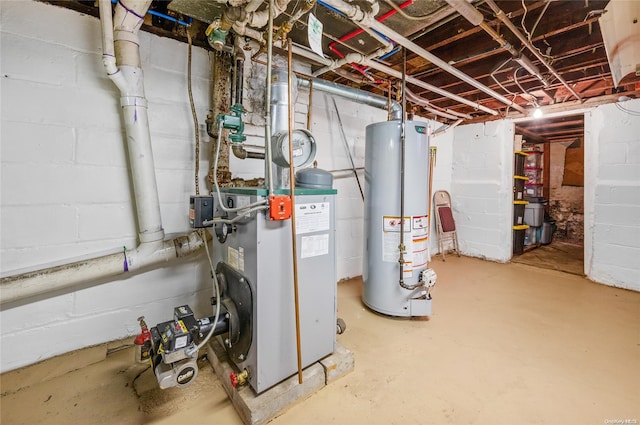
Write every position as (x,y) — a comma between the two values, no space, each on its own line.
(537,113)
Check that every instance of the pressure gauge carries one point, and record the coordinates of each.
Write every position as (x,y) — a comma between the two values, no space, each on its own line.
(304,148)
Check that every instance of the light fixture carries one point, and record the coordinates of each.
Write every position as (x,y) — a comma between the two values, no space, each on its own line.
(537,113)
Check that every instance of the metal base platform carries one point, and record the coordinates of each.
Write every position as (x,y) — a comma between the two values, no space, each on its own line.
(259,409)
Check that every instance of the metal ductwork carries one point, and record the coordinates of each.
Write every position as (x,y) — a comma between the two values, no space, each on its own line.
(359,96)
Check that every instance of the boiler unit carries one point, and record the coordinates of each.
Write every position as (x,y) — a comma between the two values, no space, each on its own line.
(385,288)
(256,252)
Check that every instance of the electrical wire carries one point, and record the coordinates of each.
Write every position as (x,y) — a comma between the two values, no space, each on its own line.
(493,77)
(215,178)
(239,217)
(195,117)
(628,111)
(535,25)
(528,34)
(216,287)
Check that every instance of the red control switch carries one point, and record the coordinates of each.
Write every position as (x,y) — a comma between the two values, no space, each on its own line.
(279,207)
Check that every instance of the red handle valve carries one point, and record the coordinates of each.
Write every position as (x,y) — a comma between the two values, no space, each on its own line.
(239,379)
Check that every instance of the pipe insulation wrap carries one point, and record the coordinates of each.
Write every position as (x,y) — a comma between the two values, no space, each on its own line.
(468,11)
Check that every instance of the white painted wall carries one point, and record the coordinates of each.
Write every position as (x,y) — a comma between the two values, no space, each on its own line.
(612,194)
(481,189)
(332,155)
(442,175)
(66,192)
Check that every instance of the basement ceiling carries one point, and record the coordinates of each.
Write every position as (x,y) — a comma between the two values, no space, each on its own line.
(565,33)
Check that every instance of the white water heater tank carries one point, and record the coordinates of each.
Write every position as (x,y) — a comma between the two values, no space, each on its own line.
(381,270)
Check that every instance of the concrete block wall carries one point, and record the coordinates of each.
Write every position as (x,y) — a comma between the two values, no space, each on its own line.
(612,194)
(333,155)
(481,188)
(442,174)
(66,191)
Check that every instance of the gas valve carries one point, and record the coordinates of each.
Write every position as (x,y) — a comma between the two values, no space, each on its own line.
(428,277)
(143,342)
(239,379)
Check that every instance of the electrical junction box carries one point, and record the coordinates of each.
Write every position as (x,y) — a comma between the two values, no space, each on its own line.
(200,210)
(279,207)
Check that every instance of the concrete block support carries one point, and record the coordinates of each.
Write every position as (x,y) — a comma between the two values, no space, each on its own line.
(259,409)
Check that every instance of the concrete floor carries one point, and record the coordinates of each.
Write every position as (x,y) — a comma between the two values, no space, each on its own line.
(563,256)
(507,344)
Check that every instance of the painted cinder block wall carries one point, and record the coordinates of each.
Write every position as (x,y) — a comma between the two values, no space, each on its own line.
(66,191)
(612,194)
(481,188)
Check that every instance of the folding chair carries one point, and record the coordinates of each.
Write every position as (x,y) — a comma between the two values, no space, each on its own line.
(445,225)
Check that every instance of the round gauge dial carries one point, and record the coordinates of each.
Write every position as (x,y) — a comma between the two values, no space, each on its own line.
(304,148)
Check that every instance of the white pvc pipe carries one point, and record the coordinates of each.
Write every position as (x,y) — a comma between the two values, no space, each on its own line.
(383,29)
(363,19)
(261,18)
(26,285)
(153,250)
(309,54)
(397,74)
(127,21)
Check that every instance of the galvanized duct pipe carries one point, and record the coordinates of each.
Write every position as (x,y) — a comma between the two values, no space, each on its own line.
(368,21)
(121,47)
(359,96)
(501,15)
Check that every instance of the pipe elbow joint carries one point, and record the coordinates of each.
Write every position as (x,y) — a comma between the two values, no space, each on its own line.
(355,58)
(395,111)
(239,151)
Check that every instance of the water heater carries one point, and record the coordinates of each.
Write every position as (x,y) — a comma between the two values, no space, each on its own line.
(382,291)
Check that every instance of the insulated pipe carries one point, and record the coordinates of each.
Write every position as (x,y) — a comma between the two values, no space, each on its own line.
(353,58)
(501,15)
(26,285)
(356,95)
(332,45)
(443,65)
(309,54)
(412,80)
(286,27)
(368,21)
(261,18)
(447,113)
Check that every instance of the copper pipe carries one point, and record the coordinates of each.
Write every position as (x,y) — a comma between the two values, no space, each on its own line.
(432,165)
(292,185)
(310,104)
